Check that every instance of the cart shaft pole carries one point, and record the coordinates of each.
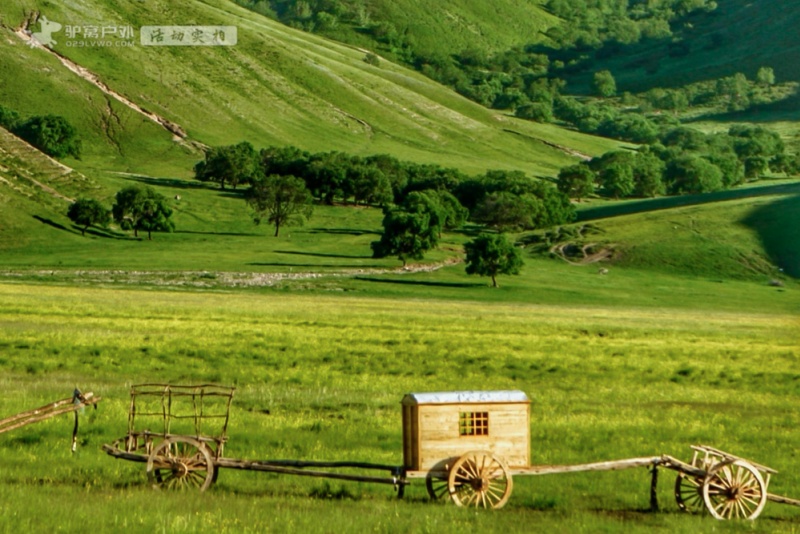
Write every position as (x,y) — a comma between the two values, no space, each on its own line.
(272,468)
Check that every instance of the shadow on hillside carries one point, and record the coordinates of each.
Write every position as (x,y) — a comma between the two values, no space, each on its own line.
(472,230)
(342,231)
(170,182)
(97,232)
(310,265)
(108,233)
(230,193)
(780,110)
(57,226)
(229,234)
(663,203)
(321,255)
(778,226)
(420,282)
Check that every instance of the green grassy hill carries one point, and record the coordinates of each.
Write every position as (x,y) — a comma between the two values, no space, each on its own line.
(450,26)
(279,85)
(276,86)
(739,36)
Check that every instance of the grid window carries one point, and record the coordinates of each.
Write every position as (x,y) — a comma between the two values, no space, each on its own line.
(473,424)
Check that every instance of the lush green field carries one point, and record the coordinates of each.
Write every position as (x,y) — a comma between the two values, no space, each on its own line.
(321,378)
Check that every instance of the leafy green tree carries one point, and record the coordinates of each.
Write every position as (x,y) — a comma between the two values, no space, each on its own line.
(370,185)
(454,215)
(52,134)
(685,138)
(406,234)
(755,166)
(692,174)
(505,210)
(9,119)
(648,175)
(766,76)
(615,172)
(142,208)
(576,181)
(785,163)
(491,255)
(283,200)
(232,165)
(556,206)
(736,89)
(629,127)
(617,179)
(604,84)
(752,141)
(328,176)
(86,212)
(535,111)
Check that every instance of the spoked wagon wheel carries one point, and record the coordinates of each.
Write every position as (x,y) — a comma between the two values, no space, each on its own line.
(181,462)
(479,479)
(436,486)
(734,489)
(689,493)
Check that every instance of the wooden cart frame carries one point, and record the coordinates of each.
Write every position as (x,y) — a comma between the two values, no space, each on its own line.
(74,404)
(724,485)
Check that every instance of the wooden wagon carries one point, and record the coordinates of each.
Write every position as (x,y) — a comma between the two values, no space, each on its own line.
(467,445)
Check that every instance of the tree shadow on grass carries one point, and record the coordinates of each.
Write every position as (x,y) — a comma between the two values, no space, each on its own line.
(474,230)
(231,193)
(420,282)
(94,231)
(109,234)
(321,255)
(57,226)
(342,231)
(229,234)
(777,226)
(169,182)
(663,203)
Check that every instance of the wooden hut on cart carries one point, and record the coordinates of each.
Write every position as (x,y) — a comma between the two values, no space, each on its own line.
(439,427)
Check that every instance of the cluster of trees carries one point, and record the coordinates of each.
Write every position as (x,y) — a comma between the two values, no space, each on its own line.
(730,93)
(419,201)
(682,161)
(591,23)
(638,118)
(135,208)
(52,134)
(320,16)
(500,199)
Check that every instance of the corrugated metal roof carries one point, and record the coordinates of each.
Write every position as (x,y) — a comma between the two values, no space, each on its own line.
(456,397)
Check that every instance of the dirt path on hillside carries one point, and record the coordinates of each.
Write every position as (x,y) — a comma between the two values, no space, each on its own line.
(588,257)
(179,134)
(211,279)
(562,148)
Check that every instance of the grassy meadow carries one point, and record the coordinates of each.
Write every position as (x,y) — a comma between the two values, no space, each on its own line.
(689,334)
(321,377)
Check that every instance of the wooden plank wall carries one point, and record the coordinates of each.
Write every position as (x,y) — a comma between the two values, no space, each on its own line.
(439,439)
